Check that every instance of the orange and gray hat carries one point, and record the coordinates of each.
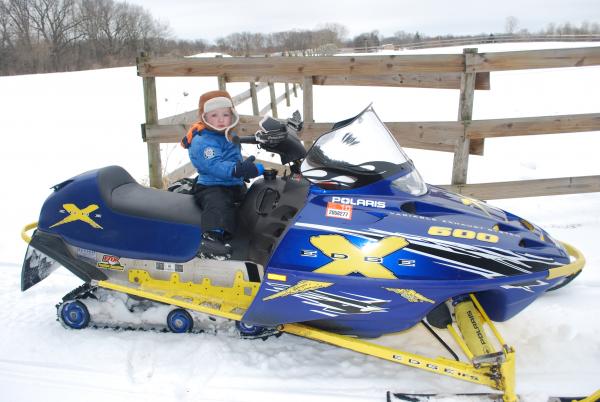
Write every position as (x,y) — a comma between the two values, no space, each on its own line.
(215,100)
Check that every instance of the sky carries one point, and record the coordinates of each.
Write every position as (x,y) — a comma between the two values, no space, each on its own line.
(211,19)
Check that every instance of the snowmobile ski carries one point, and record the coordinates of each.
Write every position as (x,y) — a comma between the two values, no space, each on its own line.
(399,396)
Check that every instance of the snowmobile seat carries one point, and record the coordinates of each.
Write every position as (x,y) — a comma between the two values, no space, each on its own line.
(123,194)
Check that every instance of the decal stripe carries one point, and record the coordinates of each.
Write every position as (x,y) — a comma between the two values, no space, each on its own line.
(277,277)
(456,255)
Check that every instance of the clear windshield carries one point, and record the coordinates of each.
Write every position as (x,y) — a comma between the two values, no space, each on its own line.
(356,152)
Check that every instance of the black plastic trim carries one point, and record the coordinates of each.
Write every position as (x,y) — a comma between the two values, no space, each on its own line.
(54,247)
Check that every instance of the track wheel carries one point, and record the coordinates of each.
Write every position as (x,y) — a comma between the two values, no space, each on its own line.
(248,329)
(179,321)
(74,314)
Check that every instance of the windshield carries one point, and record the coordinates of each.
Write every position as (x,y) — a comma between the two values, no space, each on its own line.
(357,152)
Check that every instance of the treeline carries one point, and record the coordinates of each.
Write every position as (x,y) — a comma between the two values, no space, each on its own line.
(61,35)
(325,39)
(330,38)
(400,38)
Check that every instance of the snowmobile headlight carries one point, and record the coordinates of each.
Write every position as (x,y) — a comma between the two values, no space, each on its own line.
(411,183)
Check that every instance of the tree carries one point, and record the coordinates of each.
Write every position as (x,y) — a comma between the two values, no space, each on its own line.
(6,45)
(332,32)
(551,28)
(57,21)
(366,40)
(403,37)
(511,24)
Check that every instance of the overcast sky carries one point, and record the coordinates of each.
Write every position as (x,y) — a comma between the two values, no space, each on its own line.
(211,19)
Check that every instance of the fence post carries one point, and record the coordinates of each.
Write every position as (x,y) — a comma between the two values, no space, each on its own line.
(222,84)
(151,113)
(221,79)
(273,99)
(307,100)
(254,96)
(307,105)
(287,94)
(465,115)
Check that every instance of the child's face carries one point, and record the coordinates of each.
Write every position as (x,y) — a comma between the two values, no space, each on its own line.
(219,118)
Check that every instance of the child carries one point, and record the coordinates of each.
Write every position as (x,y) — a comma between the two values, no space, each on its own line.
(221,170)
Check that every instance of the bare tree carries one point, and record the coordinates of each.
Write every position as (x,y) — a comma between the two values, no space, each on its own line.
(510,25)
(57,21)
(19,30)
(6,40)
(366,40)
(6,44)
(335,33)
(18,16)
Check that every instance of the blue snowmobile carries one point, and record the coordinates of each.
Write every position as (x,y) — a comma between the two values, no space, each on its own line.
(348,243)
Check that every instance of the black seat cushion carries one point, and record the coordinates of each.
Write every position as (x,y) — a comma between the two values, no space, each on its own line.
(123,194)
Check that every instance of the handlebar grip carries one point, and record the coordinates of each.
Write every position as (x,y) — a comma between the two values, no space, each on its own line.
(249,139)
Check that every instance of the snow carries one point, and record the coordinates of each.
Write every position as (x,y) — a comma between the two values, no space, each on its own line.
(210,54)
(55,126)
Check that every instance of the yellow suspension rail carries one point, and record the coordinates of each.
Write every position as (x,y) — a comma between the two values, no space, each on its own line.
(220,301)
(231,302)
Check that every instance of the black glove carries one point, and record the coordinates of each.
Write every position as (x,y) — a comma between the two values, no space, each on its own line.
(246,169)
(271,139)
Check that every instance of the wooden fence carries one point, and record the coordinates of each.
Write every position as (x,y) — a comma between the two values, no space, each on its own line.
(466,72)
(501,38)
(474,40)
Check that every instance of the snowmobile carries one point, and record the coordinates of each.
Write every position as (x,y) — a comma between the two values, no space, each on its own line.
(349,243)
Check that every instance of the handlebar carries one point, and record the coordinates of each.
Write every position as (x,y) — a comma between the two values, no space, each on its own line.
(248,139)
(278,137)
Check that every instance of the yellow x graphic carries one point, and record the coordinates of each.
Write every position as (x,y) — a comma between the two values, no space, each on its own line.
(76,214)
(348,258)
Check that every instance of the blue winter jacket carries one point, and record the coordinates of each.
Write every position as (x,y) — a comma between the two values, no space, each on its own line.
(215,158)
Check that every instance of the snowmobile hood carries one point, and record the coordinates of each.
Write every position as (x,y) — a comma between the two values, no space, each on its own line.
(464,215)
(365,184)
(446,236)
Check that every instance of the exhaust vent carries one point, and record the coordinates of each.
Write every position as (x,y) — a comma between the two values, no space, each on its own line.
(507,227)
(426,209)
(529,243)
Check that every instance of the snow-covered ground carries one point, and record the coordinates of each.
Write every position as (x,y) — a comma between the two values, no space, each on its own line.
(57,125)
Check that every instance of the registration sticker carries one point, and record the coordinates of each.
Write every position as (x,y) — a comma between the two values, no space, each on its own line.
(341,211)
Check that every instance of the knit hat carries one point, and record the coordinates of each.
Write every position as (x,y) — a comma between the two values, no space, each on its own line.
(215,100)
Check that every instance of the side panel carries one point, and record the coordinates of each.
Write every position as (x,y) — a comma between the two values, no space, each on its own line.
(350,305)
(77,213)
(360,265)
(353,305)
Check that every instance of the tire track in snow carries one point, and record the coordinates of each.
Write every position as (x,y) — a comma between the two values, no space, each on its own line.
(60,380)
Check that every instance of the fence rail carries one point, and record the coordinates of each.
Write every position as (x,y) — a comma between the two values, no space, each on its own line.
(528,188)
(475,40)
(499,38)
(466,72)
